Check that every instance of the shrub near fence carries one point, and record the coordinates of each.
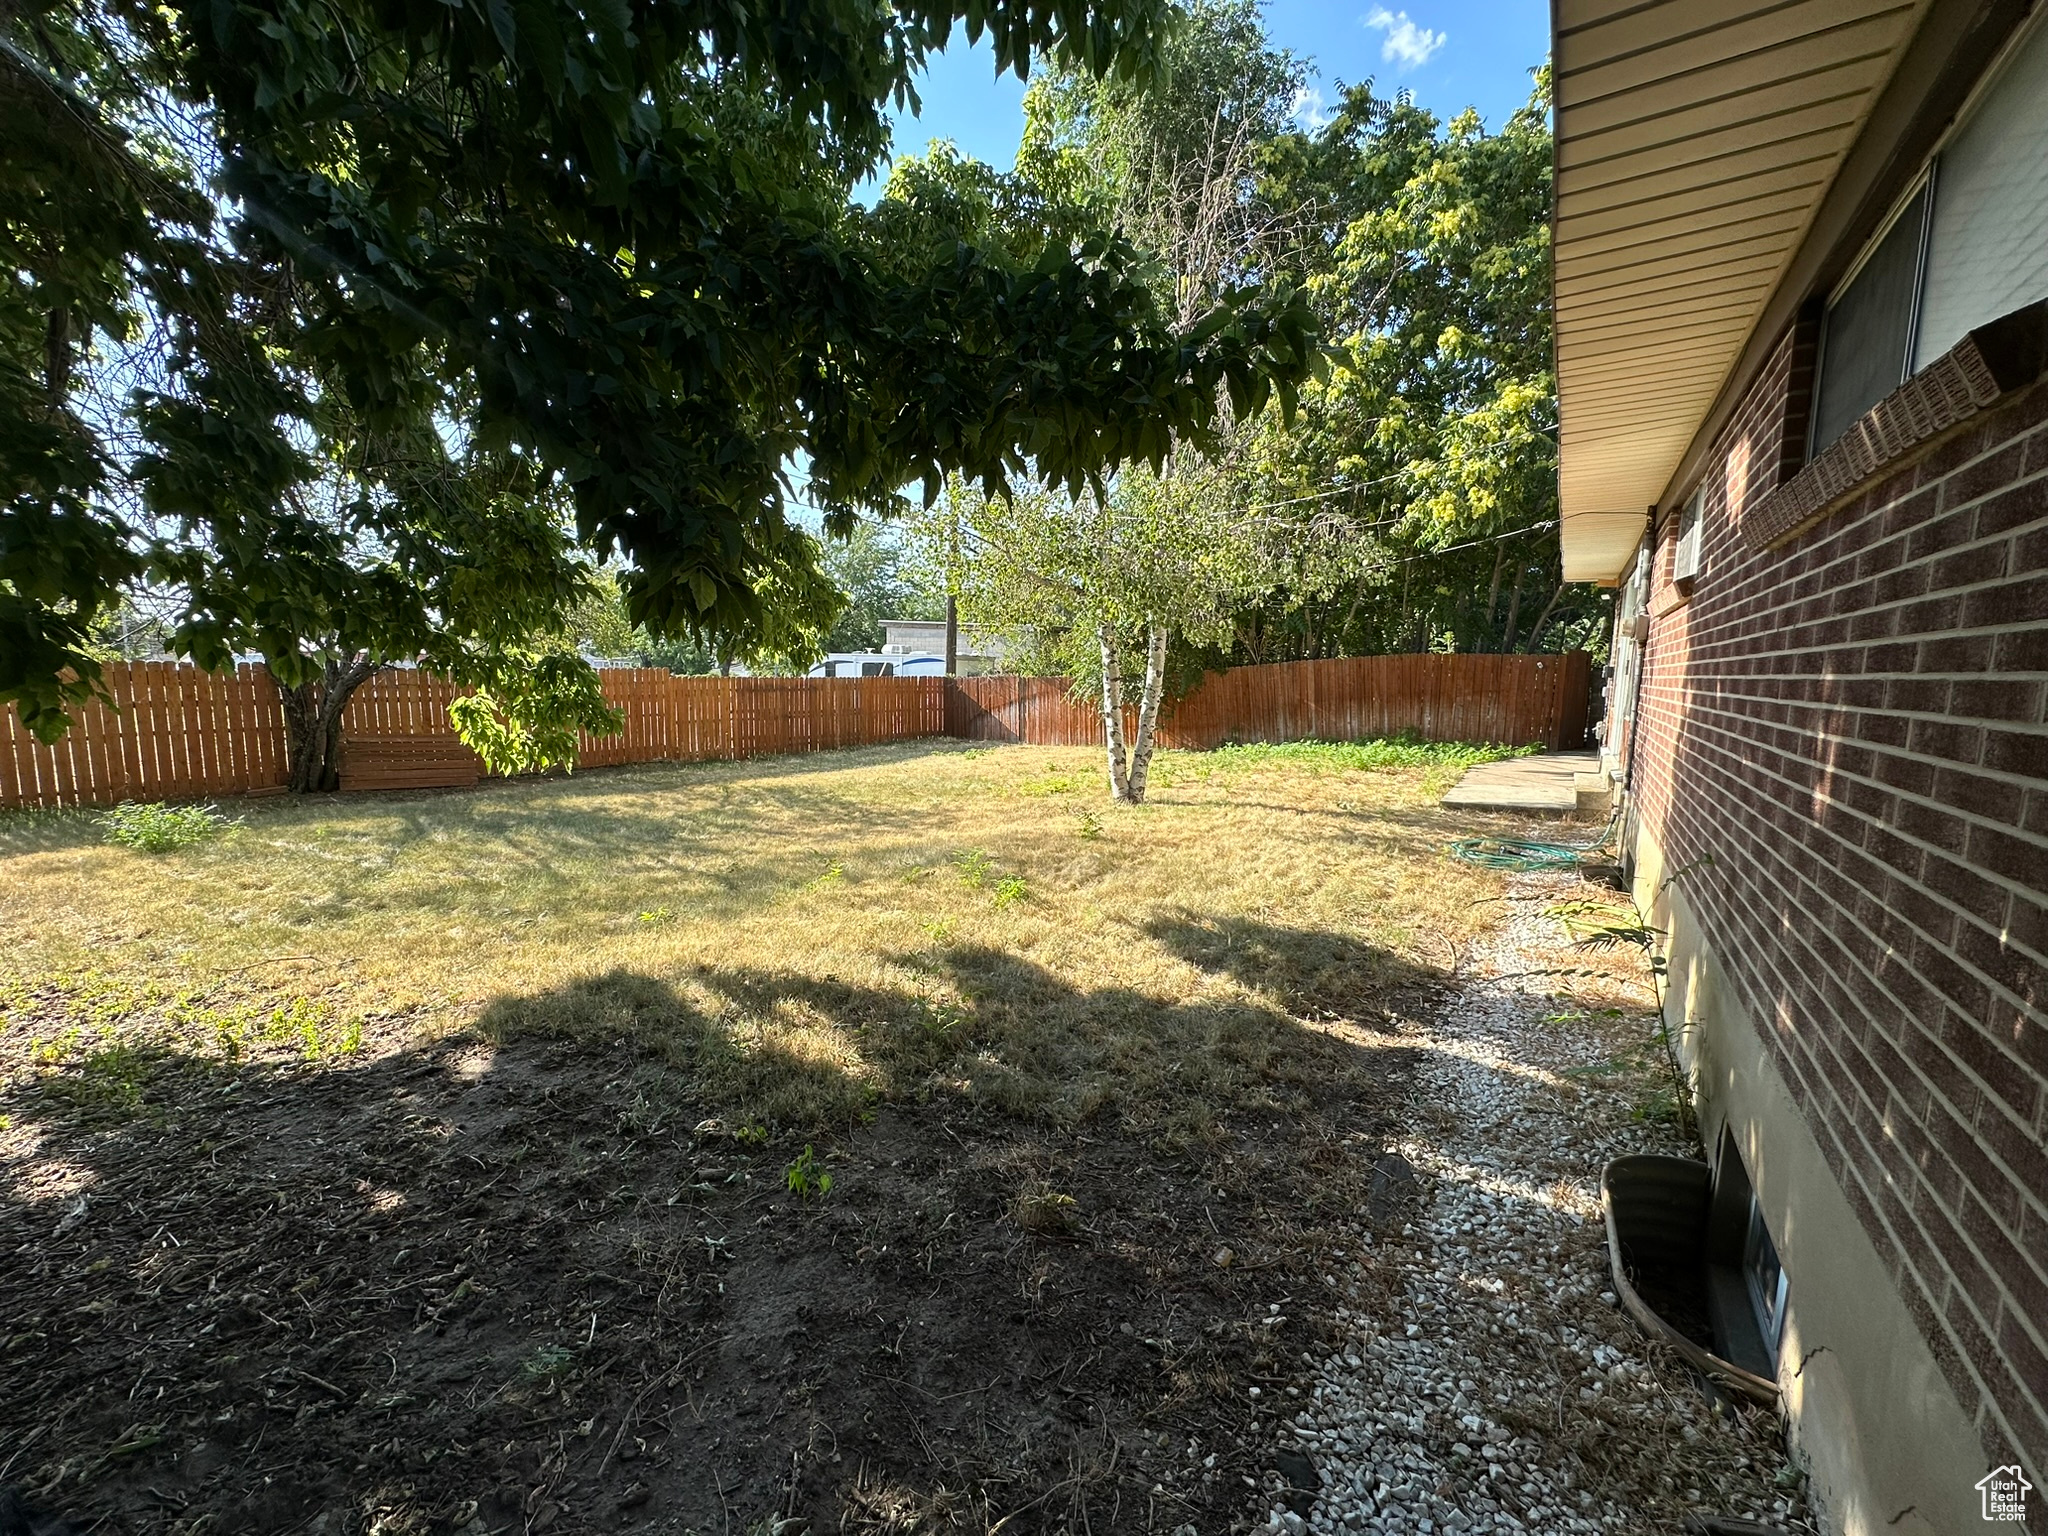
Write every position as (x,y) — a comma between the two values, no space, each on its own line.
(178,733)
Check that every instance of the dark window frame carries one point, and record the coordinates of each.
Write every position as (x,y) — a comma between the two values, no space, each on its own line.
(1923,187)
(1921,191)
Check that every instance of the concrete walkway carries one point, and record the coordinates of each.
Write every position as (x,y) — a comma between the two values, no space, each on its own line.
(1554,784)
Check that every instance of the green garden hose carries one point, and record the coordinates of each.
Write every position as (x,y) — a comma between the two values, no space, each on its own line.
(1530,853)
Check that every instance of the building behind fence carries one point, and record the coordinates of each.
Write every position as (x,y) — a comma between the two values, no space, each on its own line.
(170,731)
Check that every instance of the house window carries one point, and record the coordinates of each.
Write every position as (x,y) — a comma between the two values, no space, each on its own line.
(1866,341)
(1687,563)
(1987,247)
(1969,243)
(1765,1278)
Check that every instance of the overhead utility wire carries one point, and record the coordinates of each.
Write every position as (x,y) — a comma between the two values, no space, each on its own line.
(1492,538)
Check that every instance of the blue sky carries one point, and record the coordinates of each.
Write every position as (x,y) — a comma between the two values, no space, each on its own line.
(1451,53)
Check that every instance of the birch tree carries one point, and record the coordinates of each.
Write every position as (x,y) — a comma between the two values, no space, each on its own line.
(1099,587)
(1110,578)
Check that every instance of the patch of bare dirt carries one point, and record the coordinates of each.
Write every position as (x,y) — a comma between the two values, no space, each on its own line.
(539,1288)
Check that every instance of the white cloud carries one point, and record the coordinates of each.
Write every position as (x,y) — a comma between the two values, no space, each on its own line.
(1309,109)
(1406,43)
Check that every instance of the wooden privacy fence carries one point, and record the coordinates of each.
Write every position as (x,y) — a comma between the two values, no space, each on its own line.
(174,732)
(1521,700)
(179,733)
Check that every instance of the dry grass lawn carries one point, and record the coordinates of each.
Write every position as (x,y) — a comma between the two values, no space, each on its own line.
(807,934)
(456,1162)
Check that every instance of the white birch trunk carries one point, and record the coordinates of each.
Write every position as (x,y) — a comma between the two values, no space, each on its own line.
(1113,712)
(1148,709)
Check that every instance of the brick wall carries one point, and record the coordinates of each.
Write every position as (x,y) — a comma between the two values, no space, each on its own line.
(1854,726)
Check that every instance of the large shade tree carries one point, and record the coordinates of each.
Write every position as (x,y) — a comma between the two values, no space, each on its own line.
(597,254)
(1426,247)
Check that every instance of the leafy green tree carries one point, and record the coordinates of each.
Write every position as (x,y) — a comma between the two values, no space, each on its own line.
(371,550)
(1428,259)
(1147,151)
(876,571)
(612,246)
(1093,587)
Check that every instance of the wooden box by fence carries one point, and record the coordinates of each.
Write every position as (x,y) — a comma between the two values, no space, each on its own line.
(175,732)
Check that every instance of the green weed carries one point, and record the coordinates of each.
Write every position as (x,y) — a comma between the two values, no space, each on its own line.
(547,1360)
(1090,828)
(158,828)
(1010,890)
(1055,784)
(806,1176)
(940,1018)
(975,868)
(1044,1210)
(314,1027)
(106,1084)
(653,915)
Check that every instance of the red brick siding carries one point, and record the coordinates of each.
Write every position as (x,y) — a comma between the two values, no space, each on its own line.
(1854,727)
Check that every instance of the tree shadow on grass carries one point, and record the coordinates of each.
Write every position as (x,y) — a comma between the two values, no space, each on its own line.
(999,1032)
(1308,971)
(554,1276)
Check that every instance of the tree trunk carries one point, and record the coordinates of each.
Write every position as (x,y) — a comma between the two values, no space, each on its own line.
(1500,555)
(1543,618)
(1507,638)
(57,357)
(1148,710)
(1113,712)
(952,636)
(1350,614)
(312,718)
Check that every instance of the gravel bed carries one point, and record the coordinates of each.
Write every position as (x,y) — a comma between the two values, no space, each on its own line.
(1486,1379)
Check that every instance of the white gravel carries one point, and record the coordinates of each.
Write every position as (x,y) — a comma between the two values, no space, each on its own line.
(1487,1382)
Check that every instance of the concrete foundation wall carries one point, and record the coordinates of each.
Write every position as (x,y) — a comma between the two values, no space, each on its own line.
(1872,1419)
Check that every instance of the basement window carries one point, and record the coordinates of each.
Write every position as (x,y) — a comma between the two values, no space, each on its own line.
(1745,1282)
(1765,1278)
(1967,243)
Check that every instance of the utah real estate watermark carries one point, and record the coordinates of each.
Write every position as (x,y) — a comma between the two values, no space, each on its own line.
(2005,1490)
